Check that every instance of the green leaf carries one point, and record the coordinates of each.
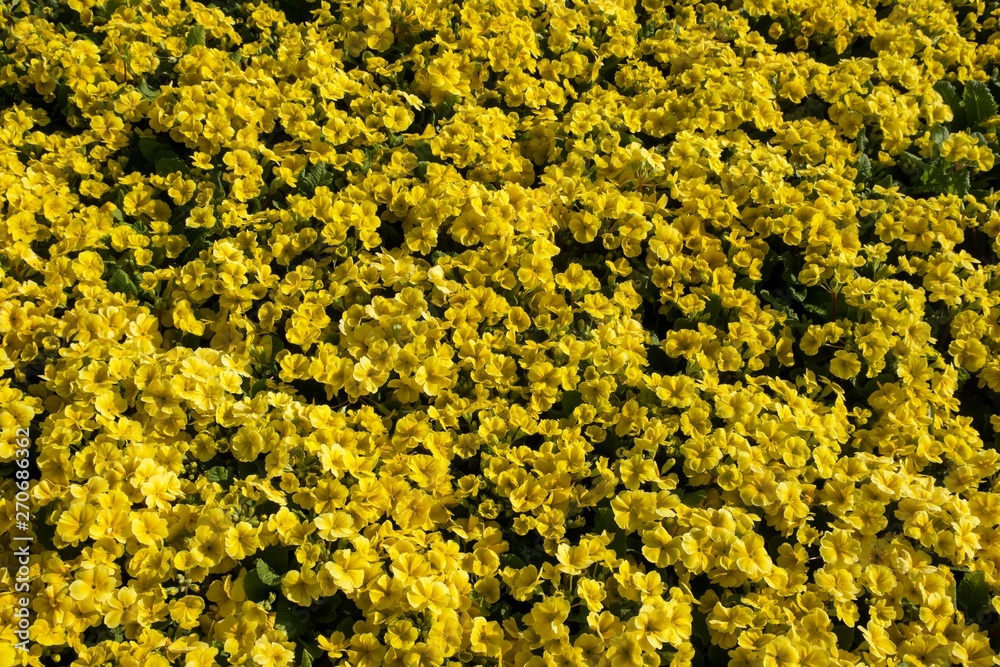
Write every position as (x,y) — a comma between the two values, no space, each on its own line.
(714,306)
(778,303)
(938,134)
(147,92)
(329,610)
(624,609)
(423,151)
(310,652)
(217,474)
(315,176)
(570,400)
(845,636)
(775,543)
(511,560)
(277,345)
(346,626)
(960,183)
(255,589)
(910,163)
(862,140)
(150,148)
(168,164)
(695,498)
(268,576)
(816,309)
(936,176)
(978,103)
(199,241)
(699,627)
(121,283)
(276,556)
(196,37)
(951,98)
(292,618)
(606,522)
(864,167)
(972,593)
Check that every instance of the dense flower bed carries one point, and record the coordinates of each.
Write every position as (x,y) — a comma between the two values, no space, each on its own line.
(515,333)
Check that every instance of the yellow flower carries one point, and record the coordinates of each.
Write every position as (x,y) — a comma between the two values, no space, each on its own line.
(345,572)
(267,653)
(74,524)
(425,592)
(397,118)
(94,584)
(845,365)
(148,528)
(839,547)
(187,610)
(434,375)
(750,556)
(446,78)
(241,541)
(547,616)
(970,354)
(202,161)
(301,587)
(780,652)
(486,637)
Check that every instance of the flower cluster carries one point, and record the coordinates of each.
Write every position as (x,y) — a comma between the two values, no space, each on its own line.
(422,333)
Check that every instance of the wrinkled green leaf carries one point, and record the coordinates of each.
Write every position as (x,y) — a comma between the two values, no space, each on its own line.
(910,163)
(511,560)
(695,498)
(267,575)
(315,176)
(972,593)
(938,134)
(951,98)
(151,148)
(255,589)
(276,556)
(960,183)
(978,103)
(699,627)
(845,636)
(168,164)
(121,283)
(310,653)
(570,400)
(217,474)
(147,92)
(864,167)
(196,36)
(292,618)
(606,522)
